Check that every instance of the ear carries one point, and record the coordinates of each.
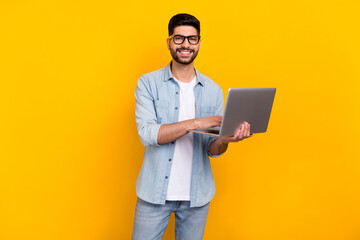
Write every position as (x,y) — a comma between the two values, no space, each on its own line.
(168,43)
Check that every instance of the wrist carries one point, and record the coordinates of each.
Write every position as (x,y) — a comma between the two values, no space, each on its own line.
(222,141)
(193,124)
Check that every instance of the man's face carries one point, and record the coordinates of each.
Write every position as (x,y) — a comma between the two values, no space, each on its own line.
(184,53)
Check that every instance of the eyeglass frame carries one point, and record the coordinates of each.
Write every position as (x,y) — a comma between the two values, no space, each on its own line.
(185,37)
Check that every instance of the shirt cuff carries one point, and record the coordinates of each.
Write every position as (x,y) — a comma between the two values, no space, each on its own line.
(154,135)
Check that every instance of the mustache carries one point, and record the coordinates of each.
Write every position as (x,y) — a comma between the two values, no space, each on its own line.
(184,49)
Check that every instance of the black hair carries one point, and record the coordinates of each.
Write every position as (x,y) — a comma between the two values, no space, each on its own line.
(181,20)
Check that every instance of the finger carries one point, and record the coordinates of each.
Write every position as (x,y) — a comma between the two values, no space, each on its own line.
(245,130)
(218,117)
(242,131)
(237,134)
(248,130)
(218,120)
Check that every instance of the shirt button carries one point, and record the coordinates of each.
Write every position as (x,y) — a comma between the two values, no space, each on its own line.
(177,92)
(166,177)
(176,108)
(169,159)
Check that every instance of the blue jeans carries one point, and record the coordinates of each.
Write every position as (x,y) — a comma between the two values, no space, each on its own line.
(151,220)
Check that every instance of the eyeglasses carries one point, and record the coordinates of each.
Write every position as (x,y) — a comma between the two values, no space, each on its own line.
(179,39)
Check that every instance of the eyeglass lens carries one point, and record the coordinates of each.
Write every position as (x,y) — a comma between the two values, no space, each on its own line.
(179,39)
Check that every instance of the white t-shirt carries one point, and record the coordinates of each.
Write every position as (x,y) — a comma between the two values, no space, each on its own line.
(181,168)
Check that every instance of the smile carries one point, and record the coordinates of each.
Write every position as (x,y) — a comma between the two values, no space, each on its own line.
(185,52)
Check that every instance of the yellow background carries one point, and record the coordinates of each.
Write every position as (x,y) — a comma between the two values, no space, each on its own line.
(69,148)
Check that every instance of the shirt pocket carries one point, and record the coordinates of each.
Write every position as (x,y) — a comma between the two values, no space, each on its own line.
(207,111)
(162,111)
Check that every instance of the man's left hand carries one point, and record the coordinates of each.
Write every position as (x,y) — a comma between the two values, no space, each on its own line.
(242,132)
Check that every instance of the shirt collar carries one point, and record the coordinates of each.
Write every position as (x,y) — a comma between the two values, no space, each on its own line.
(169,75)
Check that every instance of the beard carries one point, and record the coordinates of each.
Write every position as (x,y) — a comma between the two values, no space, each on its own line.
(183,61)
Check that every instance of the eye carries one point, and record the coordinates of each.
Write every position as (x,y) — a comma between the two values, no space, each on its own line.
(178,38)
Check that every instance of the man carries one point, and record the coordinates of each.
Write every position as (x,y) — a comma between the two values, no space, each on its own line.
(176,174)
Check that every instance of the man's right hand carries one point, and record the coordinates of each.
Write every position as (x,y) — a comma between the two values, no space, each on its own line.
(208,122)
(171,132)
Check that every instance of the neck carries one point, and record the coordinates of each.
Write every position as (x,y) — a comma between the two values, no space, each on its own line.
(182,72)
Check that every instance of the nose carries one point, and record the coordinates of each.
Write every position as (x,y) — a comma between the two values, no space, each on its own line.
(186,43)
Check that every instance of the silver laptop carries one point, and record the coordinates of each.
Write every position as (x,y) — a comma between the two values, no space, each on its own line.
(252,105)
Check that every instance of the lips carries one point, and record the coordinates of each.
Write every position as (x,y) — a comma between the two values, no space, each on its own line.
(185,52)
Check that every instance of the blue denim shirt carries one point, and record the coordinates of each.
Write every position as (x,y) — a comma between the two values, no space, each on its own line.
(157,103)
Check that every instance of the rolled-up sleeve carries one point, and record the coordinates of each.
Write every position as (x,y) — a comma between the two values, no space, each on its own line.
(146,120)
(218,111)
